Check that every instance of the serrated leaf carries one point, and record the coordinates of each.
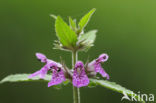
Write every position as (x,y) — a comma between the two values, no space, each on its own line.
(113,86)
(72,24)
(23,78)
(87,40)
(85,19)
(66,35)
(88,37)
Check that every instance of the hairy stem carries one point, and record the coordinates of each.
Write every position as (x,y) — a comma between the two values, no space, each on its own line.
(76,91)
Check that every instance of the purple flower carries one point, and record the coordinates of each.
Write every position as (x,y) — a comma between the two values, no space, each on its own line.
(41,57)
(95,65)
(56,68)
(57,76)
(80,78)
(43,71)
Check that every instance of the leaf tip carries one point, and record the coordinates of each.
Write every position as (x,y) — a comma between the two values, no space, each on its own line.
(93,10)
(53,16)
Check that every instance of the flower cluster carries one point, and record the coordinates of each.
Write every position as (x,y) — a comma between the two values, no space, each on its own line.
(79,75)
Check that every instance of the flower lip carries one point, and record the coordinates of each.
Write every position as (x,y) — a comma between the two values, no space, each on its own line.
(41,57)
(79,64)
(57,75)
(95,67)
(42,72)
(58,69)
(80,78)
(52,65)
(102,58)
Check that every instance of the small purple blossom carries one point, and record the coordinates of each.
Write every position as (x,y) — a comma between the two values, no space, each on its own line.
(41,57)
(80,78)
(57,76)
(95,65)
(56,68)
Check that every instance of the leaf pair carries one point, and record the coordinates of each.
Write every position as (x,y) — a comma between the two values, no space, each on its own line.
(69,35)
(93,82)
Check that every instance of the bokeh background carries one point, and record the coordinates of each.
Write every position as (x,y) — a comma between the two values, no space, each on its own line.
(126,31)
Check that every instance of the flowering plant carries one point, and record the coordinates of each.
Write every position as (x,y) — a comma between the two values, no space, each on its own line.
(72,38)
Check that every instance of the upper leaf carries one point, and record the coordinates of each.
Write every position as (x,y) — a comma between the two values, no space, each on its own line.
(86,40)
(72,24)
(88,37)
(66,35)
(22,78)
(113,86)
(84,20)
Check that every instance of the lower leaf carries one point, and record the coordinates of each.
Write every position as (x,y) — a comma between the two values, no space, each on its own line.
(115,87)
(24,78)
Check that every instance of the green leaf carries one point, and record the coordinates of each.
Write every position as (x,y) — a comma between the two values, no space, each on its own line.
(86,40)
(88,37)
(84,20)
(66,35)
(23,78)
(72,24)
(113,86)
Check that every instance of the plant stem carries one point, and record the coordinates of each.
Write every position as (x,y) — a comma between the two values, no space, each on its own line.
(76,91)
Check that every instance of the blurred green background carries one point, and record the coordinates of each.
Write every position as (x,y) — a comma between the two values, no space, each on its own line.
(126,31)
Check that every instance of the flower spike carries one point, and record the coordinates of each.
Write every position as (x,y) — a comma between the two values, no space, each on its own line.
(95,65)
(80,78)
